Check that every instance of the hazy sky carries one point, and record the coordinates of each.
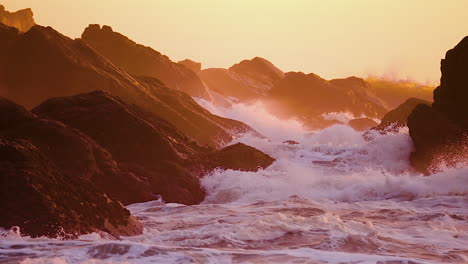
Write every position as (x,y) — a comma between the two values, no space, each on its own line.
(332,38)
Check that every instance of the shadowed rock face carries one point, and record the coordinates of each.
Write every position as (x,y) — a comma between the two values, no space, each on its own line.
(140,142)
(440,132)
(22,19)
(139,60)
(48,176)
(247,80)
(42,63)
(398,117)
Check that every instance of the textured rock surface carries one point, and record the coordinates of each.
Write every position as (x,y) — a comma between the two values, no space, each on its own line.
(398,117)
(42,63)
(440,132)
(22,19)
(139,60)
(48,176)
(238,157)
(145,145)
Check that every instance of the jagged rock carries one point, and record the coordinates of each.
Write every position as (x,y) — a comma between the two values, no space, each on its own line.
(307,97)
(139,60)
(73,153)
(22,19)
(398,117)
(44,202)
(42,63)
(192,65)
(144,144)
(362,124)
(440,132)
(51,179)
(237,157)
(247,80)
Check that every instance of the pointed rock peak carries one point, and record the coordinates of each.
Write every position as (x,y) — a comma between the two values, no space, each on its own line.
(192,65)
(258,65)
(22,19)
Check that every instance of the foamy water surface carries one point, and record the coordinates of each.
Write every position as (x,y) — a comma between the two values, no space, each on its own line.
(333,198)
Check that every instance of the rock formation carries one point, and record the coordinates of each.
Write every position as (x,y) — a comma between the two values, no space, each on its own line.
(307,97)
(42,63)
(48,179)
(398,117)
(192,65)
(139,60)
(237,157)
(22,19)
(440,132)
(149,147)
(249,79)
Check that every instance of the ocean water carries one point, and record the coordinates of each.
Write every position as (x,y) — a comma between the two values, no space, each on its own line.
(333,198)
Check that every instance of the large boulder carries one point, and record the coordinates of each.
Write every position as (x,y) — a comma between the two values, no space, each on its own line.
(398,117)
(42,201)
(140,142)
(73,153)
(237,157)
(22,19)
(190,64)
(440,132)
(42,63)
(51,179)
(139,60)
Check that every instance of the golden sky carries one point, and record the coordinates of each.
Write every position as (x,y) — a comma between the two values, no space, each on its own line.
(332,38)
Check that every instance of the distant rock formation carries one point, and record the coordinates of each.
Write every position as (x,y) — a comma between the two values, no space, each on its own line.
(50,176)
(249,79)
(362,124)
(42,63)
(192,65)
(307,97)
(398,117)
(440,132)
(139,60)
(22,19)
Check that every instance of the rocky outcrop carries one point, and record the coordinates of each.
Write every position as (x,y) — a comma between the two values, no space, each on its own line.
(22,19)
(398,117)
(49,176)
(237,157)
(247,80)
(440,132)
(148,147)
(42,63)
(362,124)
(307,97)
(192,65)
(139,60)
